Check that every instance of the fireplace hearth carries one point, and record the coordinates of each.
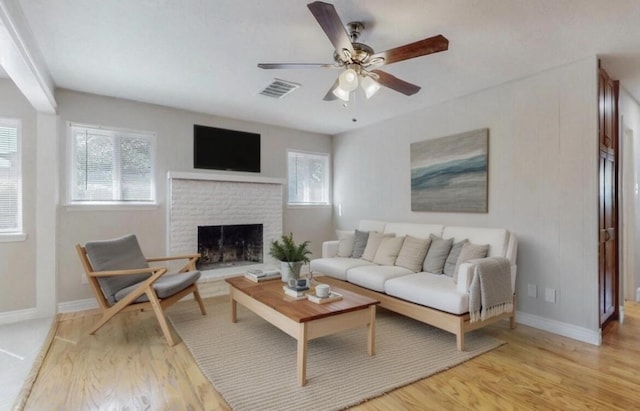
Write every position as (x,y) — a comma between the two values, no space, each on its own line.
(223,246)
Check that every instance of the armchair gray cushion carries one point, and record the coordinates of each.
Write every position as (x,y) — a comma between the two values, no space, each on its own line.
(166,286)
(118,254)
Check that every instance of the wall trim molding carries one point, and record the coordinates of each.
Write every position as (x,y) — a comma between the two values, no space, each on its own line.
(15,316)
(77,305)
(558,327)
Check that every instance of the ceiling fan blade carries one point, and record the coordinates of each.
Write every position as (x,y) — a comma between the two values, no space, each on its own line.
(332,26)
(294,65)
(395,83)
(417,49)
(330,96)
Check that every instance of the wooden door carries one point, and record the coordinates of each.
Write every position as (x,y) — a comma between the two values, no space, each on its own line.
(607,202)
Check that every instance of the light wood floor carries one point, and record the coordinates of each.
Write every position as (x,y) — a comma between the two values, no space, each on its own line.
(127,365)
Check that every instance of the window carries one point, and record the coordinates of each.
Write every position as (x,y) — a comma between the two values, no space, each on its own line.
(10,177)
(111,166)
(308,178)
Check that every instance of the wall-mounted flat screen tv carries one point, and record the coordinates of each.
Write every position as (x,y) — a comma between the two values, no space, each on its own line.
(221,149)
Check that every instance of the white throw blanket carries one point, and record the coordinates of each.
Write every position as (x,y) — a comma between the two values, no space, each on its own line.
(490,291)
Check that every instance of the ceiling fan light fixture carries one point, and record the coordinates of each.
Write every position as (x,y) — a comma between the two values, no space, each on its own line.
(341,93)
(348,80)
(369,85)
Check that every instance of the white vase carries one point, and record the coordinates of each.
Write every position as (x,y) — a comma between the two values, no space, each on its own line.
(290,270)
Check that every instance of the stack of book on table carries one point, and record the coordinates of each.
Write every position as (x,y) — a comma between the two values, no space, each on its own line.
(262,275)
(299,293)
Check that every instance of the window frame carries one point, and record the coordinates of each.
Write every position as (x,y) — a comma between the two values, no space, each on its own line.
(17,233)
(329,182)
(106,205)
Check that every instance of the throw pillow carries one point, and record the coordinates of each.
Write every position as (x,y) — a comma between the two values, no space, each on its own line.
(388,250)
(437,254)
(375,238)
(413,252)
(345,244)
(359,243)
(469,252)
(452,259)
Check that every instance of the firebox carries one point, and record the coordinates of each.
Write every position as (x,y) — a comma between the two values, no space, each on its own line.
(223,246)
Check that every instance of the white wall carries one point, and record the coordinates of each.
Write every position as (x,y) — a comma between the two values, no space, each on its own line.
(629,111)
(174,129)
(18,259)
(542,180)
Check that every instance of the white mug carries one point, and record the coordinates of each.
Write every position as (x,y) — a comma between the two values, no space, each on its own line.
(323,290)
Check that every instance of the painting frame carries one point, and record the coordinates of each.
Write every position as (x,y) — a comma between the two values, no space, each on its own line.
(451,173)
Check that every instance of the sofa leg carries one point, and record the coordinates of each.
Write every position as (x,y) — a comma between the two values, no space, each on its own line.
(512,318)
(460,340)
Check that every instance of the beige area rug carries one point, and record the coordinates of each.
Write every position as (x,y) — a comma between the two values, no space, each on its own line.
(253,364)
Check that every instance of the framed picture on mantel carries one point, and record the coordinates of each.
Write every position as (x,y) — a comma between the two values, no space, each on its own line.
(449,174)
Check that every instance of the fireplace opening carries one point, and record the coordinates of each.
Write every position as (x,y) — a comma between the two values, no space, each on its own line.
(229,245)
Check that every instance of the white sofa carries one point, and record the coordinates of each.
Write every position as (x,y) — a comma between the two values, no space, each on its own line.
(435,299)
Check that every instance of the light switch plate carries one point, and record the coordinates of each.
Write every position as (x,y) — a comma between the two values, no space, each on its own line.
(550,295)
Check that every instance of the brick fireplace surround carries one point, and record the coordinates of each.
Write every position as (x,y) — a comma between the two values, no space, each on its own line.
(200,199)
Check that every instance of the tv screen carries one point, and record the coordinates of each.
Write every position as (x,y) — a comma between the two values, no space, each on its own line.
(220,149)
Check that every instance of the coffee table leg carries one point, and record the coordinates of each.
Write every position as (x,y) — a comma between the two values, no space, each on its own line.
(372,331)
(234,308)
(302,354)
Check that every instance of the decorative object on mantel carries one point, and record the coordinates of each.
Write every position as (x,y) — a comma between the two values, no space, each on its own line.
(292,256)
(450,173)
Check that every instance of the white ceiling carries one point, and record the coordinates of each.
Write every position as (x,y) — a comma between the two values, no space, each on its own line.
(201,55)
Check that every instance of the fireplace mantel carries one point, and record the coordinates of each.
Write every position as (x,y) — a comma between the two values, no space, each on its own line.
(187,175)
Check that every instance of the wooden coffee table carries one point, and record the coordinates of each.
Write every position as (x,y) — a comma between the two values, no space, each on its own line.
(303,319)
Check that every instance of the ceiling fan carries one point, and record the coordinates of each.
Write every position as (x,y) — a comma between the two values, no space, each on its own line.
(358,60)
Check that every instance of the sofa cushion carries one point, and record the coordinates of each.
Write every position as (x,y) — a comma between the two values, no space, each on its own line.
(336,267)
(412,253)
(388,250)
(431,290)
(437,254)
(373,277)
(375,238)
(469,252)
(497,238)
(452,259)
(345,243)
(359,243)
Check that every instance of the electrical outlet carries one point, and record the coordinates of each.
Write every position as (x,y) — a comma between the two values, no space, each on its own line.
(532,290)
(550,295)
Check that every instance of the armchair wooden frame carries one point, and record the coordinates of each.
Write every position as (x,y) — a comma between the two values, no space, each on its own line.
(128,303)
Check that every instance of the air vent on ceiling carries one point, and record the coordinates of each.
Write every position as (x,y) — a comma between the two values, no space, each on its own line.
(279,88)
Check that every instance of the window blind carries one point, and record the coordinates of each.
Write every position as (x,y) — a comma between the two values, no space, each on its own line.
(10,178)
(308,178)
(111,165)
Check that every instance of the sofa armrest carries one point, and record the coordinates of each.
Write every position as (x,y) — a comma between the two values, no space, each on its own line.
(465,275)
(330,248)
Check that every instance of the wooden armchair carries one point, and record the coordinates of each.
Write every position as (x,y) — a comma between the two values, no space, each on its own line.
(122,280)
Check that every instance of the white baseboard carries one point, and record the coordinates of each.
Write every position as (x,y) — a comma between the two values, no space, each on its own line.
(10,317)
(77,305)
(560,328)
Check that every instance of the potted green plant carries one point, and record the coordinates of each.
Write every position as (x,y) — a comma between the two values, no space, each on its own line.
(292,256)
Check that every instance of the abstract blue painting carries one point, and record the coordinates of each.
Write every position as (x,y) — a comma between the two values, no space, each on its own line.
(450,173)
